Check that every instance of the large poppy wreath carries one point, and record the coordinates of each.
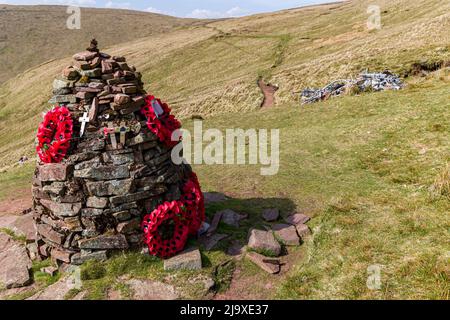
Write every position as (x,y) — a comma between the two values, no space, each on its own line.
(167,228)
(160,121)
(54,135)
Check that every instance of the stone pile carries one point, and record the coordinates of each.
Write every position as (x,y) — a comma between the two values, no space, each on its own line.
(115,171)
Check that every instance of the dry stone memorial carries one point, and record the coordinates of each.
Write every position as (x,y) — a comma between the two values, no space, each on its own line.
(105,180)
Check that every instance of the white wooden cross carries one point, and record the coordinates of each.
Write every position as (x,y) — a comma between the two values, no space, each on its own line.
(83,120)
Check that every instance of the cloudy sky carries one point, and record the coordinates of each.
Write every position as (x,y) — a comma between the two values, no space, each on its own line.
(185,8)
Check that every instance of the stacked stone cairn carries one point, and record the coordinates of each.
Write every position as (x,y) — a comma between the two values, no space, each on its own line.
(93,201)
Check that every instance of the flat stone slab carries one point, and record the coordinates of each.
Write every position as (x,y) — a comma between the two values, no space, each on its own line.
(271,266)
(24,226)
(152,290)
(209,242)
(56,291)
(232,218)
(14,263)
(287,234)
(264,241)
(270,215)
(303,230)
(297,218)
(189,259)
(105,242)
(213,197)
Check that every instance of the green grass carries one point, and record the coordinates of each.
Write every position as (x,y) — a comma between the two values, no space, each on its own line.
(15,179)
(357,166)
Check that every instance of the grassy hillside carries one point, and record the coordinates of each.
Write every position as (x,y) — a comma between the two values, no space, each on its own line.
(212,67)
(23,29)
(372,170)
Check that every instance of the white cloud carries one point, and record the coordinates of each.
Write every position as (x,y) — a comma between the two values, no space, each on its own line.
(210,14)
(118,5)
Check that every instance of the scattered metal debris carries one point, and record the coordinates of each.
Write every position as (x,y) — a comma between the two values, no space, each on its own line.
(363,83)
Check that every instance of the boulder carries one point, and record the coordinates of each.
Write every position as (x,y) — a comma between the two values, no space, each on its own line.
(14,263)
(271,266)
(232,218)
(287,234)
(270,215)
(297,218)
(189,259)
(264,241)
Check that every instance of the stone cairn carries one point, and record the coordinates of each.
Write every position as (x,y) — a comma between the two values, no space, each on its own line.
(115,170)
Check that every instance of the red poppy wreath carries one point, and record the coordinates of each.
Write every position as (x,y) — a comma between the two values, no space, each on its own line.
(194,201)
(166,229)
(54,135)
(160,121)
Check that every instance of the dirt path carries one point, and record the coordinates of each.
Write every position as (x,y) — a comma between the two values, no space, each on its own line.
(268,91)
(17,203)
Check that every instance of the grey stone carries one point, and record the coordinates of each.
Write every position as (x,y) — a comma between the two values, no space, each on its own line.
(271,266)
(303,230)
(91,212)
(103,173)
(189,259)
(213,197)
(209,242)
(264,241)
(232,218)
(287,234)
(129,226)
(104,242)
(62,84)
(297,218)
(152,290)
(66,98)
(271,214)
(110,188)
(93,73)
(62,209)
(138,195)
(54,171)
(80,258)
(14,263)
(118,159)
(141,138)
(96,202)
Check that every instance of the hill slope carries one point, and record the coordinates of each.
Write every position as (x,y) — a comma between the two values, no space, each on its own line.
(361,166)
(25,29)
(212,67)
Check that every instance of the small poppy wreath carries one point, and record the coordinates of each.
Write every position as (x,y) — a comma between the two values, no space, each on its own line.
(54,135)
(194,201)
(166,229)
(163,124)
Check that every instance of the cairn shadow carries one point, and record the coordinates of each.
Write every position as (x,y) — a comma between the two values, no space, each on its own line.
(236,237)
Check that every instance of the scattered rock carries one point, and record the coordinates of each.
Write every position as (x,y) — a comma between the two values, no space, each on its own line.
(235,249)
(287,234)
(56,291)
(215,222)
(50,270)
(209,242)
(271,215)
(303,230)
(189,259)
(104,242)
(232,218)
(151,290)
(14,263)
(271,266)
(213,197)
(297,218)
(264,241)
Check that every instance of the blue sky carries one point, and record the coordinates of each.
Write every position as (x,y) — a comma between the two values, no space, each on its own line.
(184,8)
